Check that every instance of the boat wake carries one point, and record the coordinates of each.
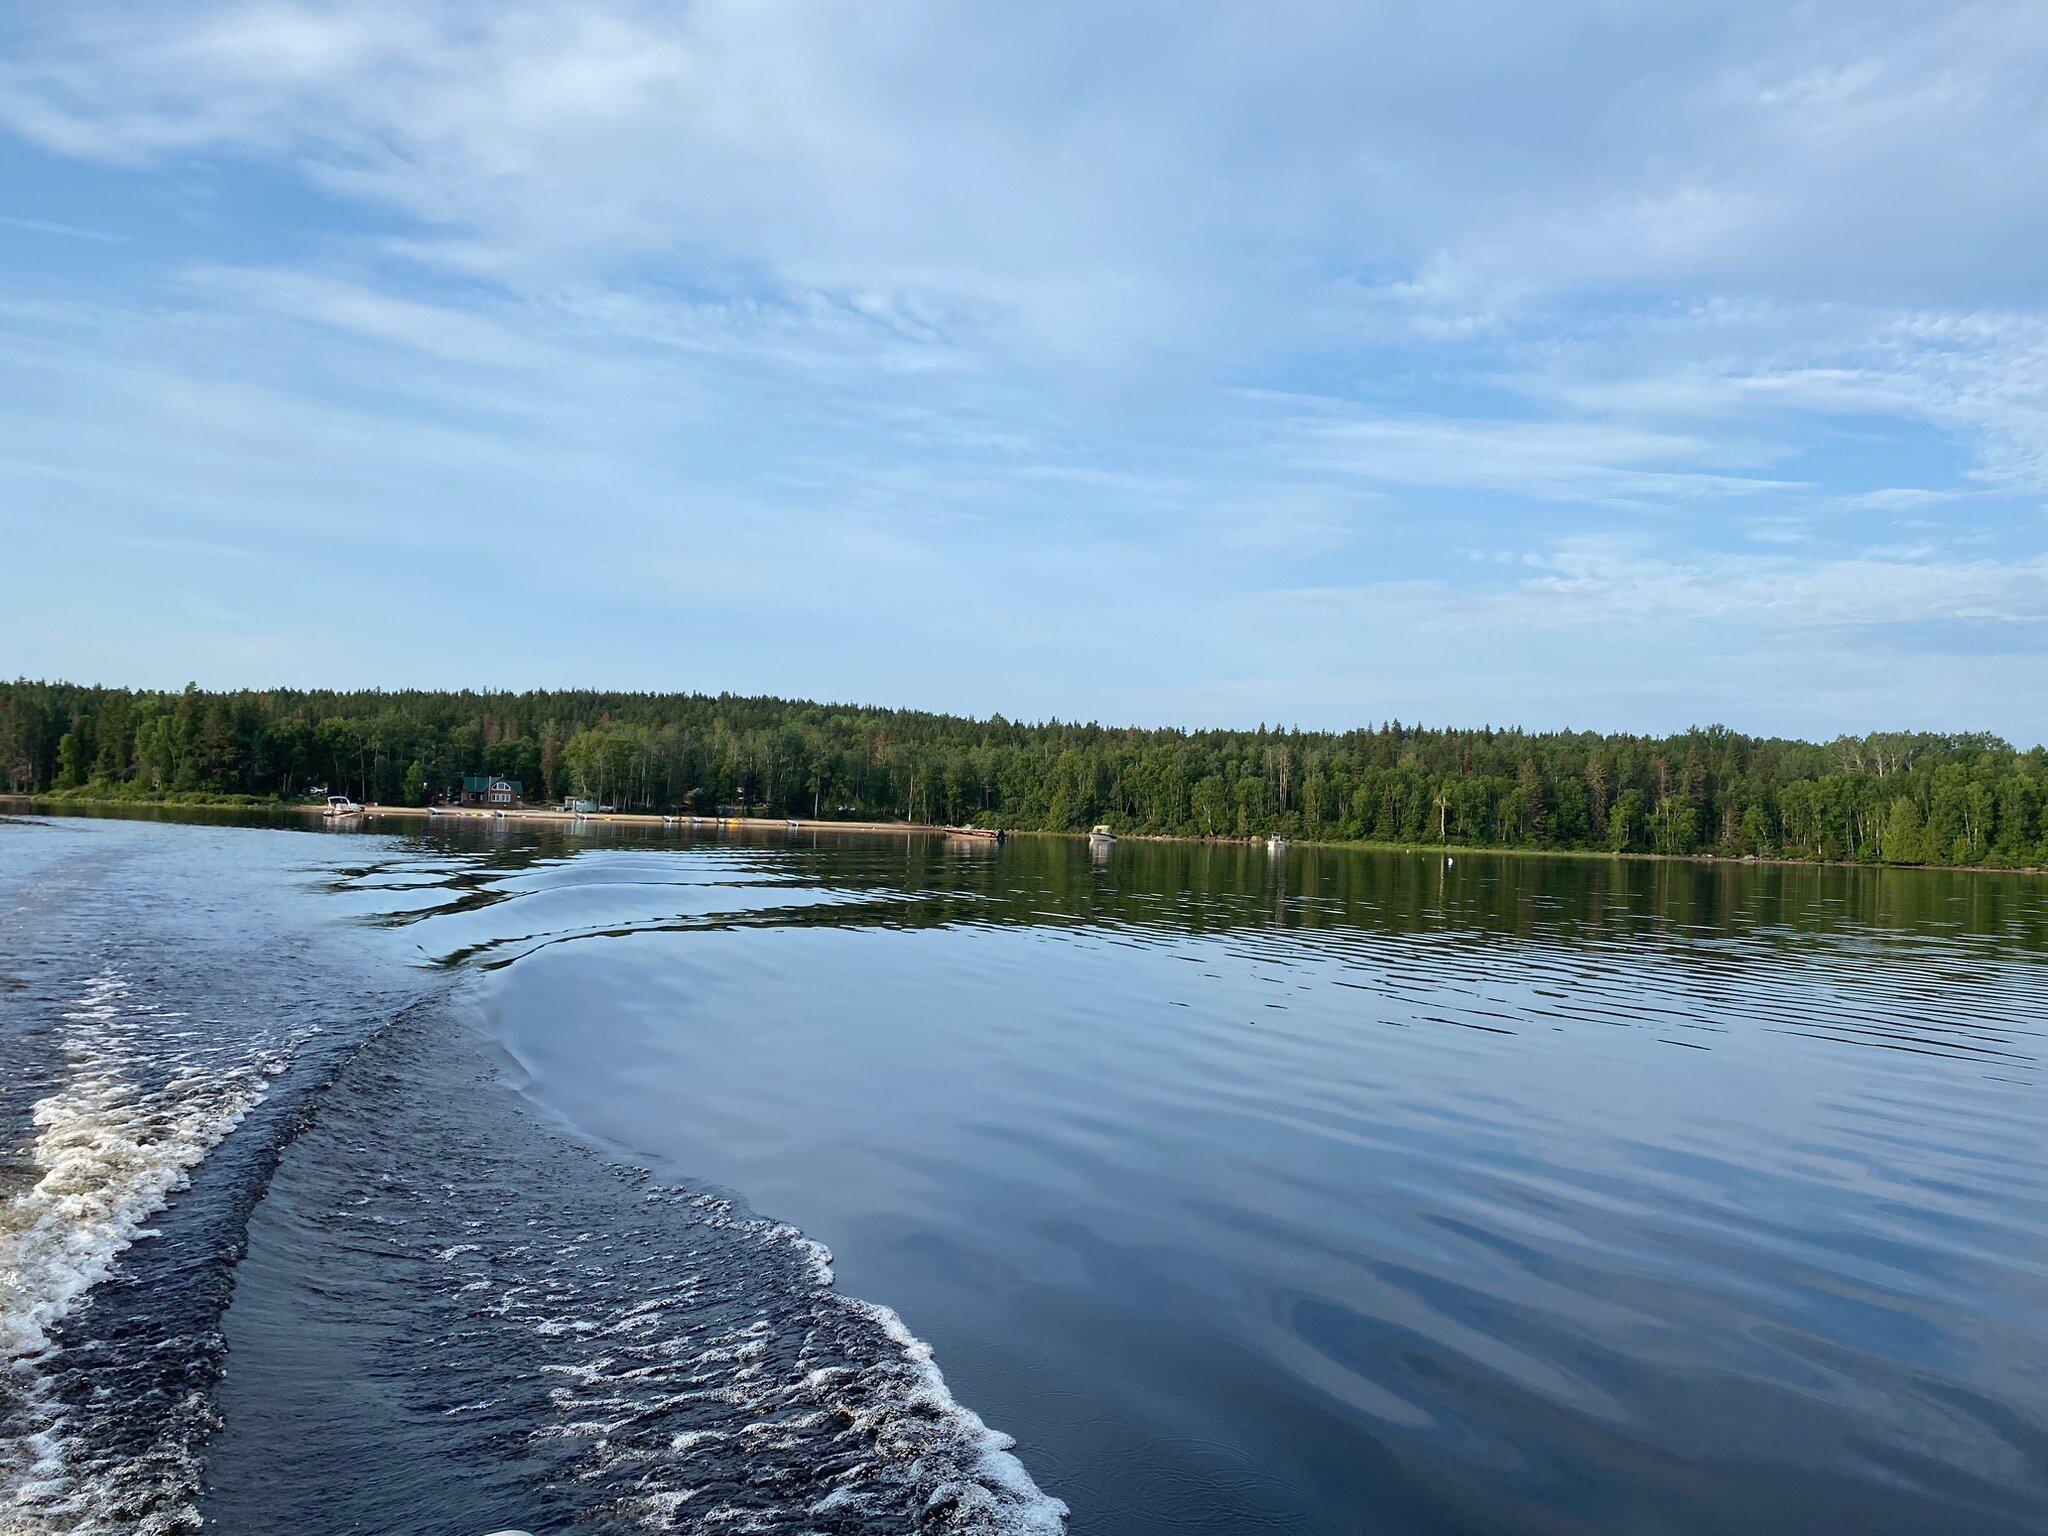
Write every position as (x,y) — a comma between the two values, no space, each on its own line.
(555,1339)
(114,1140)
(253,1180)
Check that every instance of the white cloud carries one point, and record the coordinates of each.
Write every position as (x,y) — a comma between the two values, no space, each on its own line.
(1620,633)
(1980,379)
(456,335)
(1586,461)
(1585,581)
(1066,172)
(1592,584)
(1190,326)
(1897,498)
(68,231)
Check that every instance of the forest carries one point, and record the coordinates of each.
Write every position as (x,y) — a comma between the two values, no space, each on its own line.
(1902,798)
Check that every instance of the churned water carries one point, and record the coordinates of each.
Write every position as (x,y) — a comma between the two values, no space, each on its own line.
(467,1177)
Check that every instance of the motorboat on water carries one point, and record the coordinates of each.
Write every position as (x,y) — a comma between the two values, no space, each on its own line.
(1100,833)
(1276,844)
(341,805)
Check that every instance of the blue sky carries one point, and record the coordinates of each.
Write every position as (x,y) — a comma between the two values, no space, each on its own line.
(1613,366)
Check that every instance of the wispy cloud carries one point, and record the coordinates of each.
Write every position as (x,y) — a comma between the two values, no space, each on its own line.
(454,334)
(65,231)
(1587,461)
(1616,585)
(1588,580)
(1200,334)
(1898,498)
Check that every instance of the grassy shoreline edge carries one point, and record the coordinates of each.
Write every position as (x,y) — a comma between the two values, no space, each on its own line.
(63,801)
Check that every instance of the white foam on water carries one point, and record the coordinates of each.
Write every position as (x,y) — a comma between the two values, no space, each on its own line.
(109,1151)
(634,1366)
(1003,1497)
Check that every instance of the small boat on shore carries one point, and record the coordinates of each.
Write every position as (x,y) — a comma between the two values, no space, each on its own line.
(339,806)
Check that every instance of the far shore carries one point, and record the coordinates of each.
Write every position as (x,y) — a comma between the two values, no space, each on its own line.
(314,811)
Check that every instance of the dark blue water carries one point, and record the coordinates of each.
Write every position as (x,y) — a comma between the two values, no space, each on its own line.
(476,1177)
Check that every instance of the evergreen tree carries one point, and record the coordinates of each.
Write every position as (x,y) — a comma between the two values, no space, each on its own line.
(1897,797)
(1904,838)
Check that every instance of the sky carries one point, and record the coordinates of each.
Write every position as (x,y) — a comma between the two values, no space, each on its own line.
(1609,366)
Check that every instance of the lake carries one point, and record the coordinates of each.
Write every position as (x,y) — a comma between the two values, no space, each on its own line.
(454,1177)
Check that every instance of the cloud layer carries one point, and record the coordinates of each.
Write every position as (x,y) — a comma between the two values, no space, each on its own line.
(1185,361)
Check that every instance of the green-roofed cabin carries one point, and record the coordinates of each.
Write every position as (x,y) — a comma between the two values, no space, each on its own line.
(488,789)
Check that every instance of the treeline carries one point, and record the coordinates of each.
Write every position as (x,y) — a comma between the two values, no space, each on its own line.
(1899,798)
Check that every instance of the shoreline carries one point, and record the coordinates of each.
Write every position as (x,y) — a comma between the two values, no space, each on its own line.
(660,822)
(652,819)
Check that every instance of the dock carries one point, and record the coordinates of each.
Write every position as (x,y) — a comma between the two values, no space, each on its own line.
(652,821)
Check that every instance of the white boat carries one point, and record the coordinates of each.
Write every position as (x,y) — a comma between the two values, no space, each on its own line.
(1276,844)
(1100,833)
(341,805)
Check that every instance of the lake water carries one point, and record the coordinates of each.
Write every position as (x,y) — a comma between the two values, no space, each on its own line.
(458,1177)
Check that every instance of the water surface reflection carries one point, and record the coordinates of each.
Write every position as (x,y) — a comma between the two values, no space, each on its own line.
(1350,1192)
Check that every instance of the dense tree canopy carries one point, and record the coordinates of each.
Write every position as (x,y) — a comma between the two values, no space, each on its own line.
(1899,798)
